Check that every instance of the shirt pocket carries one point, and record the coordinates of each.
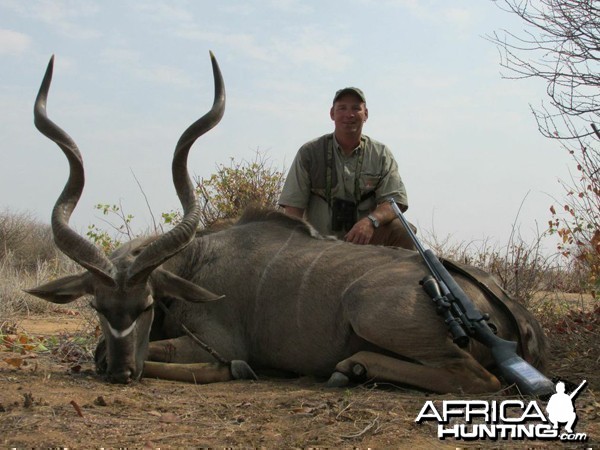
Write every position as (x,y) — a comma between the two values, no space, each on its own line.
(368,182)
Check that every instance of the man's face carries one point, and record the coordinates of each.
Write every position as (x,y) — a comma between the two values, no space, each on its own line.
(349,113)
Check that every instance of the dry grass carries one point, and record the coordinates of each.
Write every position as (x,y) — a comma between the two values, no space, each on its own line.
(270,413)
(25,241)
(14,279)
(28,257)
(522,268)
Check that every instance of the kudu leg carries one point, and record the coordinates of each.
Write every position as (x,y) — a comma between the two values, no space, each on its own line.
(463,376)
(199,373)
(180,359)
(178,350)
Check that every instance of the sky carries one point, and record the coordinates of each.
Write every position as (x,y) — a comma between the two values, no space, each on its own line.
(130,76)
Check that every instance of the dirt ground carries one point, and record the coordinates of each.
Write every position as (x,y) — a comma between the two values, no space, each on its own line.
(47,402)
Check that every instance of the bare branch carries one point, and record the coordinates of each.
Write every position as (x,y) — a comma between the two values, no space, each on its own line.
(561,46)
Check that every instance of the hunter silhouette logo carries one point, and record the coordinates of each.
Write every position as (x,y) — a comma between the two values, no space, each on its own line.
(516,419)
(560,407)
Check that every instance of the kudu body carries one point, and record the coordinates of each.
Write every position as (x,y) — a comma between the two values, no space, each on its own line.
(293,300)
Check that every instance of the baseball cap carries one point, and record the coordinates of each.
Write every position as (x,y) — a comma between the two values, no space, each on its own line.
(350,90)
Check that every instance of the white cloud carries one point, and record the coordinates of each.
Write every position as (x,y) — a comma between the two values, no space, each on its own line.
(131,62)
(291,6)
(13,42)
(307,47)
(457,16)
(311,47)
(286,6)
(167,75)
(429,11)
(417,8)
(244,9)
(120,56)
(433,81)
(62,15)
(160,11)
(241,42)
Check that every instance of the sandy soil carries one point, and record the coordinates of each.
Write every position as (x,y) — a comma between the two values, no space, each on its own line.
(49,400)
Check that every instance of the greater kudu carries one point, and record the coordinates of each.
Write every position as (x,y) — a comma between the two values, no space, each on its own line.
(294,300)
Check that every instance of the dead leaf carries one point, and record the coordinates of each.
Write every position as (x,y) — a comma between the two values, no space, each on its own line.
(76,408)
(8,341)
(308,410)
(15,362)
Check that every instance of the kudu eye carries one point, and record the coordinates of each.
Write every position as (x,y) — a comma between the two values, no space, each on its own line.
(148,305)
(98,309)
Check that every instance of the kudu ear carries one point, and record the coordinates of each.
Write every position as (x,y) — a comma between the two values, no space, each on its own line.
(168,284)
(64,290)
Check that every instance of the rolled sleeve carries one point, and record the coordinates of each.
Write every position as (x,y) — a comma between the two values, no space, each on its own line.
(296,189)
(391,185)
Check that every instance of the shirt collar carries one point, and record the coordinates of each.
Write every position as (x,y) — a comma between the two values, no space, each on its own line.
(355,151)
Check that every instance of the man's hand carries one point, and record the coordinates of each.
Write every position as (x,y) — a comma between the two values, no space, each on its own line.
(361,233)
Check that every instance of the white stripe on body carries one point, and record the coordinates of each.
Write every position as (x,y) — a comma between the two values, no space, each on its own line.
(375,268)
(305,279)
(267,268)
(263,278)
(356,280)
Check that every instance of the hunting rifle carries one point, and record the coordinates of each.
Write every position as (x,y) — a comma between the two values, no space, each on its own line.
(465,320)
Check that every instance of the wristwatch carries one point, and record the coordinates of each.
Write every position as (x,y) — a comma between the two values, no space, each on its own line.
(373,220)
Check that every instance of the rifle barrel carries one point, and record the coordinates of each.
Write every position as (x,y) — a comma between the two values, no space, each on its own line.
(512,367)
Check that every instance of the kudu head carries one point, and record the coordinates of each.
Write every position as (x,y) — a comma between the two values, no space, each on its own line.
(125,285)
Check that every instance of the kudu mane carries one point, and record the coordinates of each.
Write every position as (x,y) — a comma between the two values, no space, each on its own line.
(264,214)
(258,213)
(131,249)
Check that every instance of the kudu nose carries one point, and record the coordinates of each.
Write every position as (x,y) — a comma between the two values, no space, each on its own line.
(121,376)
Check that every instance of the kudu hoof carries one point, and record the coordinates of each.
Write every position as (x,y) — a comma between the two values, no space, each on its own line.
(359,371)
(240,370)
(338,379)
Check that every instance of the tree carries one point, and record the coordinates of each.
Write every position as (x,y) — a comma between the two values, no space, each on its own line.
(561,46)
(227,192)
(222,196)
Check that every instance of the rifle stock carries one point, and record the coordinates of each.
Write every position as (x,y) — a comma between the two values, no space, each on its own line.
(464,319)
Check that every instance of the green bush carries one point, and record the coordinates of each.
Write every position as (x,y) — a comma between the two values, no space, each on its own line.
(226,193)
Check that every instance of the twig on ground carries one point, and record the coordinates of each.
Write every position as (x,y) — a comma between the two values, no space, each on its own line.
(375,423)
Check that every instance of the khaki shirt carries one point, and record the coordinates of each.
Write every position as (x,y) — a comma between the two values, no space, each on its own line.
(306,184)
